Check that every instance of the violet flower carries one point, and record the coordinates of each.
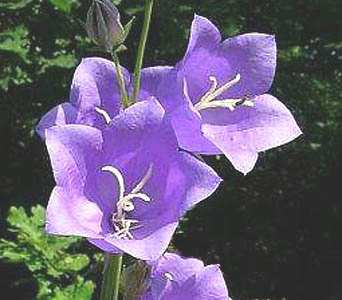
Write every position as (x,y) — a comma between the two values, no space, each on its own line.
(215,96)
(125,187)
(175,278)
(94,97)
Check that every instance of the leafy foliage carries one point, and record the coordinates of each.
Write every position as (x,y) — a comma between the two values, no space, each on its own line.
(51,260)
(63,5)
(15,4)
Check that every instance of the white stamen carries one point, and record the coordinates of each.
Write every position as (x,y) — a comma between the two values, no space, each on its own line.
(212,89)
(168,276)
(141,184)
(118,176)
(231,104)
(104,114)
(127,206)
(225,87)
(122,226)
(209,100)
(141,196)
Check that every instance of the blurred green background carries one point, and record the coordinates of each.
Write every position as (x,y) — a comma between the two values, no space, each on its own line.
(276,232)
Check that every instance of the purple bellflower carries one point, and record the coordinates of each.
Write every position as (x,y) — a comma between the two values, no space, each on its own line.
(215,96)
(94,97)
(126,186)
(175,278)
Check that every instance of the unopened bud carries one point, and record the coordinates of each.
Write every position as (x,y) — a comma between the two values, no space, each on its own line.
(104,26)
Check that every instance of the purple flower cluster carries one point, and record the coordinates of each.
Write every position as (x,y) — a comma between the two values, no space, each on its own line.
(125,177)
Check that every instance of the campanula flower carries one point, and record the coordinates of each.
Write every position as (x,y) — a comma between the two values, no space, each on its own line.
(216,96)
(173,277)
(94,97)
(126,186)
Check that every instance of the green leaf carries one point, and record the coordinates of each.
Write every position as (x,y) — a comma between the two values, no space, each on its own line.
(128,28)
(49,258)
(81,290)
(13,74)
(64,61)
(14,4)
(63,5)
(73,262)
(291,53)
(15,41)
(116,2)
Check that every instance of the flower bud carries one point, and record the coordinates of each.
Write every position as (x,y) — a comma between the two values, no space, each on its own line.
(104,26)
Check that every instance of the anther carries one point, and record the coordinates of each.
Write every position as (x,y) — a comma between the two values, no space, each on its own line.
(168,276)
(121,225)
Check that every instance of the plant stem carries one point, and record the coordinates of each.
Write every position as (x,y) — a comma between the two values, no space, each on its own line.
(120,80)
(111,277)
(141,49)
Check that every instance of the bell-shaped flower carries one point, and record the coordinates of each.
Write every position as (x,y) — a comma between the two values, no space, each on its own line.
(94,97)
(215,96)
(124,187)
(177,278)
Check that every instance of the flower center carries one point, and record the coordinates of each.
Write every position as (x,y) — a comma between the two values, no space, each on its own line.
(121,225)
(209,100)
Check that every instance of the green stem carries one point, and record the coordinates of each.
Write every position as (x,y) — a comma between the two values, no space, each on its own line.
(141,49)
(111,277)
(121,80)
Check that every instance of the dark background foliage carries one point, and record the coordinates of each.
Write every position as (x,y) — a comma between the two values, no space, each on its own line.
(277,231)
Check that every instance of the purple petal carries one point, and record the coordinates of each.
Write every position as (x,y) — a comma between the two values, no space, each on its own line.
(95,85)
(105,246)
(210,284)
(253,56)
(148,248)
(178,278)
(170,272)
(187,124)
(62,114)
(203,34)
(139,127)
(71,214)
(161,83)
(243,133)
(201,181)
(73,150)
(178,267)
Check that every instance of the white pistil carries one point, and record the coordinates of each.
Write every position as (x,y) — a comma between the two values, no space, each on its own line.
(209,100)
(123,226)
(104,114)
